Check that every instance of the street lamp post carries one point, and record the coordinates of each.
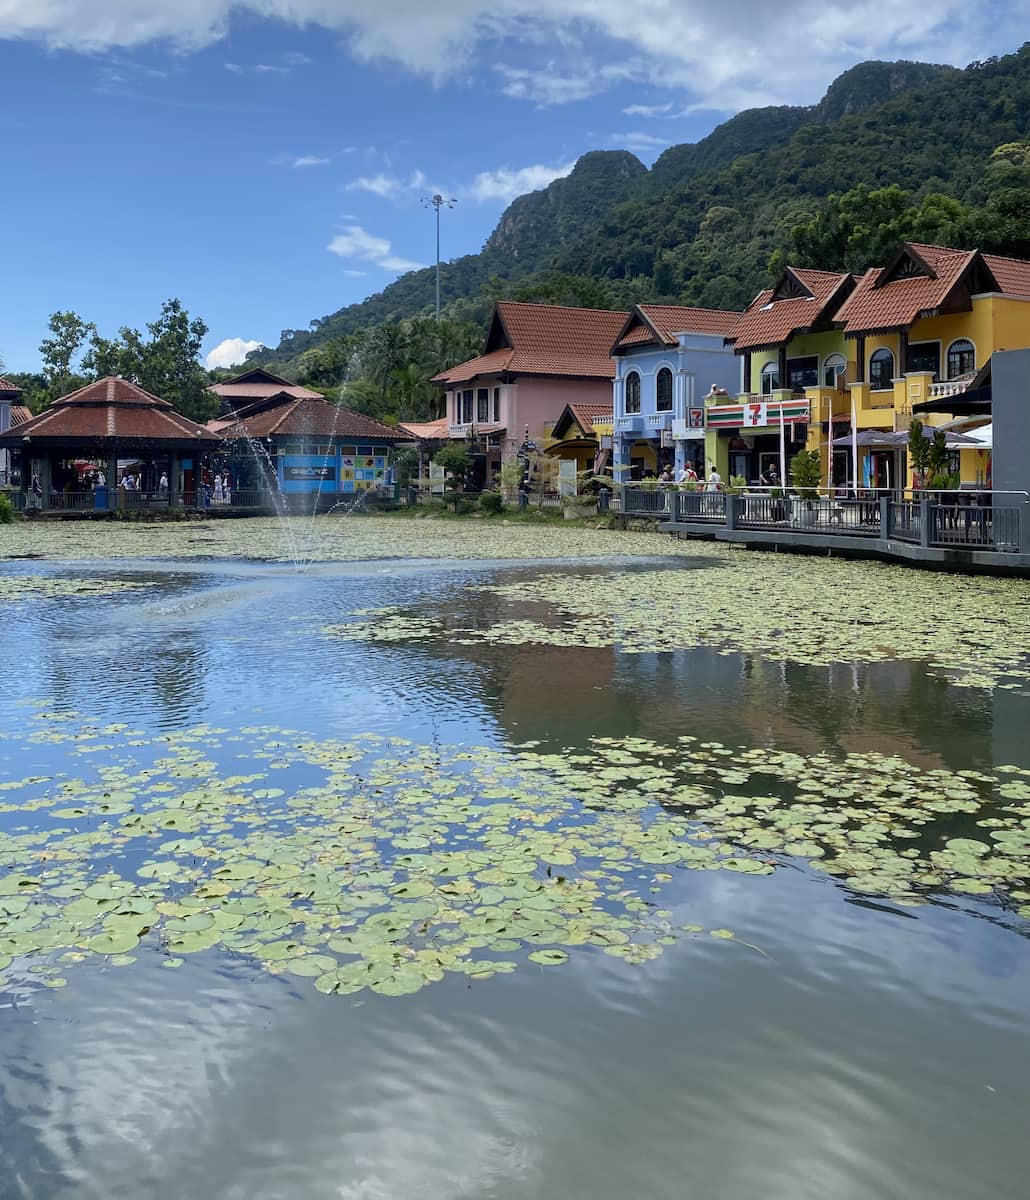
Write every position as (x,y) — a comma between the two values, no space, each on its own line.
(437,202)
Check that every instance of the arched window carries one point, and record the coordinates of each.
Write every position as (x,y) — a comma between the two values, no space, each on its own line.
(663,392)
(770,378)
(881,371)
(961,358)
(632,392)
(833,368)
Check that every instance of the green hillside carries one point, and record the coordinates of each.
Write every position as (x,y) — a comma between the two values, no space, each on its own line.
(912,147)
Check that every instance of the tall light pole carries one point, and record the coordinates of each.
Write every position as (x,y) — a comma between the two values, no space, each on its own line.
(438,202)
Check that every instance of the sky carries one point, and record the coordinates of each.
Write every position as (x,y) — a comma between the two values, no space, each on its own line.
(265,160)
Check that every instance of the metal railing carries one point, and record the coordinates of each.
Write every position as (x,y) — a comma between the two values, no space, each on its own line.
(829,513)
(647,502)
(698,506)
(903,523)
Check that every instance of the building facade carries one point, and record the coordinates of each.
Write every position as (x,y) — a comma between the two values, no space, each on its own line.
(537,359)
(667,359)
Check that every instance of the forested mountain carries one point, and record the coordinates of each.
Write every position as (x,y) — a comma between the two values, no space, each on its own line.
(893,150)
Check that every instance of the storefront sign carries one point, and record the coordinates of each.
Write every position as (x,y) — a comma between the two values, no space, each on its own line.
(309,474)
(757,414)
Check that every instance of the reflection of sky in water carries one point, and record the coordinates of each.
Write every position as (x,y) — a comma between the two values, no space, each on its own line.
(855,1054)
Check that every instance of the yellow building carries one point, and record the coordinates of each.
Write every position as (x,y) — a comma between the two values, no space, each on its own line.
(841,356)
(795,359)
(924,329)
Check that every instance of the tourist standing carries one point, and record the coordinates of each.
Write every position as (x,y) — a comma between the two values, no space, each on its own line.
(219,493)
(162,484)
(714,483)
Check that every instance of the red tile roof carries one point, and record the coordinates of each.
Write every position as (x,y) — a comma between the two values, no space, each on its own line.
(7,386)
(884,300)
(662,322)
(583,415)
(113,408)
(20,413)
(426,431)
(773,322)
(544,339)
(1012,274)
(259,384)
(285,415)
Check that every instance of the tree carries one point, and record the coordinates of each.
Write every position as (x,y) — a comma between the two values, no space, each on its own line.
(457,463)
(167,364)
(918,451)
(60,351)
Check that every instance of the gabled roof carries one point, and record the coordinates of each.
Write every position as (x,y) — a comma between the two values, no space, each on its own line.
(286,415)
(1011,274)
(923,281)
(801,301)
(257,384)
(659,324)
(113,409)
(543,339)
(583,416)
(426,431)
(7,386)
(20,413)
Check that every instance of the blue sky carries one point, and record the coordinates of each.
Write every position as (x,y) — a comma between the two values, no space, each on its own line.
(263,160)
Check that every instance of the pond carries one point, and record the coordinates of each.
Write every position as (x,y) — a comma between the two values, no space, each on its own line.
(485,860)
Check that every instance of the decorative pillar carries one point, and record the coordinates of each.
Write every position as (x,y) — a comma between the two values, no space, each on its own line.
(747,372)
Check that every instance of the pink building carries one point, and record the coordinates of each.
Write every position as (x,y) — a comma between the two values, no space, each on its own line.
(537,359)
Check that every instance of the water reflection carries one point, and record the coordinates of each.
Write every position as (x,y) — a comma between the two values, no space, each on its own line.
(858,1053)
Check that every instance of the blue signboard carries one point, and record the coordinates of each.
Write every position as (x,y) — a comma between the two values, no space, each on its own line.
(309,473)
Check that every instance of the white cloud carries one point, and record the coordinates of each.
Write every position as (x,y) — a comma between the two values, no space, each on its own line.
(717,54)
(357,243)
(648,110)
(389,187)
(354,274)
(309,160)
(230,352)
(551,84)
(505,184)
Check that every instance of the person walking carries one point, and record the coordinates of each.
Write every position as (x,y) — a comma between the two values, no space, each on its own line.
(714,483)
(162,485)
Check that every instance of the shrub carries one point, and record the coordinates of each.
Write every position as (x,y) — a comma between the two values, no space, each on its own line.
(6,510)
(491,503)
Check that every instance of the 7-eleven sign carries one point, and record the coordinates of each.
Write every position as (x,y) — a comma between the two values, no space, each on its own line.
(755,414)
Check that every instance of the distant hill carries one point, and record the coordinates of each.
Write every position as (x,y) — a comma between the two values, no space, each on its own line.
(701,224)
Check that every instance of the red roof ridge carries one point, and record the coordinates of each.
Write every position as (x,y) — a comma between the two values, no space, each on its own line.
(558,307)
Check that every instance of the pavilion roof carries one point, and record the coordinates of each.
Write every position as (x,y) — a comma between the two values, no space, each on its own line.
(259,384)
(286,415)
(427,431)
(112,410)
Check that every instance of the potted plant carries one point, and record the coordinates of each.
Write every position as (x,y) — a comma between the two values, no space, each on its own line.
(806,475)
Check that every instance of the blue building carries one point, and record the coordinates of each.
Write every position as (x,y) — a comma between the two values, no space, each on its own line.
(667,359)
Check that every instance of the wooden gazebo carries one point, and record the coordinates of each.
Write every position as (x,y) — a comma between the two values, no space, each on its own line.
(113,424)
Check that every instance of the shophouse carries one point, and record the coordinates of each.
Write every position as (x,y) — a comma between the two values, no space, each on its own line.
(667,359)
(537,359)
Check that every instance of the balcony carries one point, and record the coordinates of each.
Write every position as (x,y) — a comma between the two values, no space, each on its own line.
(952,387)
(634,423)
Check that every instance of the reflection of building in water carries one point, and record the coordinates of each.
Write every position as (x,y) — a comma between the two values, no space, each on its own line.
(850,708)
(558,692)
